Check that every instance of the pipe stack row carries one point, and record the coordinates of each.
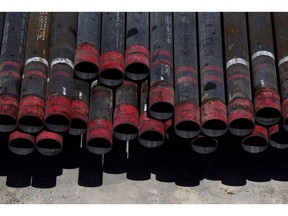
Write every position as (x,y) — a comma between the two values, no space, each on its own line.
(146,76)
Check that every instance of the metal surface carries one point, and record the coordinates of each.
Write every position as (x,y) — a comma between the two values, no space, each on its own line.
(204,144)
(137,55)
(266,97)
(86,63)
(213,104)
(21,143)
(112,48)
(49,143)
(240,106)
(187,110)
(278,137)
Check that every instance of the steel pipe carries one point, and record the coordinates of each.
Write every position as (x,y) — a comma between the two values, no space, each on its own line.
(86,62)
(278,136)
(49,143)
(204,144)
(21,143)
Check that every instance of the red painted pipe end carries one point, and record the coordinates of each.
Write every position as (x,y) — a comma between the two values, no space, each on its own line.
(125,124)
(278,137)
(31,114)
(214,118)
(204,145)
(49,143)
(79,117)
(241,117)
(111,68)
(257,142)
(187,120)
(170,132)
(21,143)
(137,62)
(151,131)
(86,63)
(99,136)
(285,114)
(161,101)
(8,113)
(58,113)
(267,106)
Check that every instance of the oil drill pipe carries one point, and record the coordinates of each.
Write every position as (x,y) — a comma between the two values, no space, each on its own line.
(204,145)
(241,118)
(60,79)
(11,66)
(86,62)
(278,136)
(112,48)
(126,114)
(100,127)
(137,54)
(187,110)
(265,89)
(151,131)
(21,143)
(213,102)
(2,20)
(34,79)
(49,143)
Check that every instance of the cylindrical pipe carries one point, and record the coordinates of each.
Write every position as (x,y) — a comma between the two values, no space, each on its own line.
(49,143)
(59,86)
(204,144)
(266,97)
(151,131)
(86,63)
(80,107)
(257,142)
(112,48)
(161,91)
(34,79)
(240,106)
(278,137)
(126,115)
(21,143)
(100,129)
(170,132)
(187,110)
(213,103)
(11,65)
(2,20)
(137,54)
(281,36)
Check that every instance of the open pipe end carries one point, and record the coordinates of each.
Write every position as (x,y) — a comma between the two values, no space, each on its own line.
(161,110)
(86,70)
(7,123)
(187,129)
(49,147)
(254,144)
(204,145)
(279,140)
(78,127)
(99,146)
(111,77)
(21,146)
(268,116)
(125,132)
(214,128)
(151,139)
(30,124)
(241,127)
(57,123)
(137,71)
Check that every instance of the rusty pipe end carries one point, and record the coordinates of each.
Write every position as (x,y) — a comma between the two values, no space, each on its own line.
(86,63)
(257,142)
(21,143)
(99,136)
(187,120)
(241,117)
(8,113)
(31,114)
(49,143)
(170,132)
(161,101)
(204,145)
(111,68)
(214,118)
(278,137)
(137,62)
(151,131)
(267,106)
(79,117)
(58,113)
